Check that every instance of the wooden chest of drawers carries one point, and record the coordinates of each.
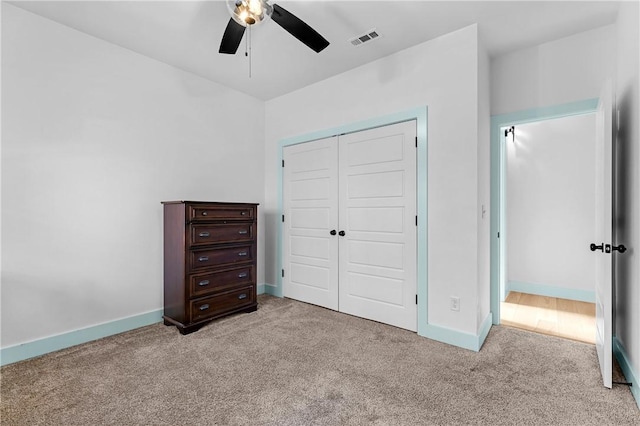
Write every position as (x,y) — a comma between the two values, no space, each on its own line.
(209,261)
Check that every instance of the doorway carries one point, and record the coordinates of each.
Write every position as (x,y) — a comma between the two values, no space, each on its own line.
(419,117)
(550,218)
(542,272)
(349,205)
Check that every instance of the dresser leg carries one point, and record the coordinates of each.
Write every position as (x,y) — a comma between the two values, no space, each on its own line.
(251,309)
(190,329)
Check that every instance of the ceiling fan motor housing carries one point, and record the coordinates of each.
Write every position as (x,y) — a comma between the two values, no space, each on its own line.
(249,12)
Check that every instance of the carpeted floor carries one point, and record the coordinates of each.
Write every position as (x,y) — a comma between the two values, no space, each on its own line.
(291,363)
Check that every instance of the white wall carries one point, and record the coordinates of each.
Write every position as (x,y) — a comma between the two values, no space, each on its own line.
(627,231)
(551,203)
(442,74)
(565,70)
(94,138)
(484,183)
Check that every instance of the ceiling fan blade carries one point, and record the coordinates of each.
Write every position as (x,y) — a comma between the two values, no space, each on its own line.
(232,37)
(298,28)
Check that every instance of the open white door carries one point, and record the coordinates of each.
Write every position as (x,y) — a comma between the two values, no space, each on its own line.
(603,235)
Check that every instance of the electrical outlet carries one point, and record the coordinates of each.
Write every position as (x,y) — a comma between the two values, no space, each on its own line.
(455,303)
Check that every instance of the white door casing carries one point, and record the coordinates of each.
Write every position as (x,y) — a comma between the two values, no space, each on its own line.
(310,206)
(603,233)
(362,185)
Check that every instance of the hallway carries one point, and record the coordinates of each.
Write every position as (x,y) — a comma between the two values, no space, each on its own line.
(569,319)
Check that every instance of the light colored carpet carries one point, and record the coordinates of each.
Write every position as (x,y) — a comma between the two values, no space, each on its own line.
(291,363)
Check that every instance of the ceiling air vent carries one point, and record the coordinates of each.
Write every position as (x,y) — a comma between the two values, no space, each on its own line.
(364,38)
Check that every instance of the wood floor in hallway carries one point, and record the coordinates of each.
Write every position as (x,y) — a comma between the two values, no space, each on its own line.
(569,319)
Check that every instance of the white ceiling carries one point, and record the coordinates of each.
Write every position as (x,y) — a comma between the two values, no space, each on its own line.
(186,34)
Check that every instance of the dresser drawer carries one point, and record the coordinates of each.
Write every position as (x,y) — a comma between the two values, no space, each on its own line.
(220,256)
(202,234)
(203,284)
(221,303)
(203,213)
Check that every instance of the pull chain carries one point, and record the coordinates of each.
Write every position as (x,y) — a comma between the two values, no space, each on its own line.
(247,48)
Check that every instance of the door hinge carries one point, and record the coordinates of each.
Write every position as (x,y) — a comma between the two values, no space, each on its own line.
(498,235)
(282,163)
(283,218)
(283,273)
(416,299)
(416,220)
(416,141)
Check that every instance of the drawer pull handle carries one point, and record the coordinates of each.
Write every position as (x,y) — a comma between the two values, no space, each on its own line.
(205,214)
(204,307)
(243,232)
(203,258)
(242,275)
(203,283)
(204,234)
(242,296)
(243,213)
(242,253)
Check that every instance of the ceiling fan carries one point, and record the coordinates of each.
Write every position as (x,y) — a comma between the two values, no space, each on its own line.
(245,13)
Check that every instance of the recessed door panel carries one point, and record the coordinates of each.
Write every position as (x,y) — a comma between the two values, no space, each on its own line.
(316,158)
(373,151)
(311,247)
(310,218)
(377,219)
(376,288)
(310,276)
(375,253)
(375,184)
(310,189)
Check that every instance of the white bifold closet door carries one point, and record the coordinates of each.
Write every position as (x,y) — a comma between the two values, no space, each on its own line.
(362,186)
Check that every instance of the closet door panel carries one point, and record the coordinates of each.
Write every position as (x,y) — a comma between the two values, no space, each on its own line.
(377,199)
(310,204)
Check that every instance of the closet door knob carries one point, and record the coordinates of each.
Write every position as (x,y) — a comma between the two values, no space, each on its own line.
(594,247)
(621,248)
(333,232)
(341,233)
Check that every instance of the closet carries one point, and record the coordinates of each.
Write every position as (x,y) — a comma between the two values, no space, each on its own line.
(349,205)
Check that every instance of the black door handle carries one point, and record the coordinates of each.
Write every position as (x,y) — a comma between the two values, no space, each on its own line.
(621,248)
(594,247)
(341,233)
(333,232)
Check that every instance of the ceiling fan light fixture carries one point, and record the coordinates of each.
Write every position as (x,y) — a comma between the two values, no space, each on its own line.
(249,12)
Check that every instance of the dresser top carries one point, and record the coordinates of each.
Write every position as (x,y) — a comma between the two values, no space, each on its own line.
(220,203)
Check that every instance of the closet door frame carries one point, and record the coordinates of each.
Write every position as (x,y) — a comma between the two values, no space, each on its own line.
(420,117)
